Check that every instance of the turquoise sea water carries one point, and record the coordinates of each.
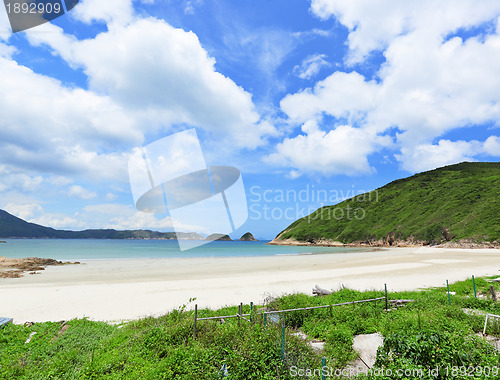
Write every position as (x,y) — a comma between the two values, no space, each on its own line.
(139,249)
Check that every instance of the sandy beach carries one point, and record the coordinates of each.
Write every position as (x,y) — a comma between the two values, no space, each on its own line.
(114,290)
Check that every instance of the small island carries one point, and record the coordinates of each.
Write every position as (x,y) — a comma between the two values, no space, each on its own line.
(247,237)
(218,237)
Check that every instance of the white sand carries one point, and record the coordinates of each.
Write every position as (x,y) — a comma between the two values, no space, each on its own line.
(114,290)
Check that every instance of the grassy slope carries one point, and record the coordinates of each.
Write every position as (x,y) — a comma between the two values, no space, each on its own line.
(426,333)
(463,199)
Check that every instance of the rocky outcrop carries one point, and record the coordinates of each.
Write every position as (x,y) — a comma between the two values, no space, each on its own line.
(388,241)
(218,237)
(247,237)
(15,268)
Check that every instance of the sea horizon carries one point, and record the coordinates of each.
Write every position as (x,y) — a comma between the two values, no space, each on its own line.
(122,249)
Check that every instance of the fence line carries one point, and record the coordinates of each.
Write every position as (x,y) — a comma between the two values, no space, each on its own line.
(240,314)
(486,321)
(223,316)
(323,306)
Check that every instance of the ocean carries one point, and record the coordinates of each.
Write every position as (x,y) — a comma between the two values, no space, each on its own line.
(89,249)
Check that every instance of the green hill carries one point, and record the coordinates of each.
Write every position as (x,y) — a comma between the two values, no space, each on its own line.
(453,203)
(247,237)
(218,237)
(14,227)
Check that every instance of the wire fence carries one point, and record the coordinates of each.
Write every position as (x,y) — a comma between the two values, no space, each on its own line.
(273,321)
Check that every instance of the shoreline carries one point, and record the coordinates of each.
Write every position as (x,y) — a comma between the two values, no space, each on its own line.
(115,290)
(462,244)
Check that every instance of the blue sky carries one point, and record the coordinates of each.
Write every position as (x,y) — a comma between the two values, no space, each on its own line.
(303,96)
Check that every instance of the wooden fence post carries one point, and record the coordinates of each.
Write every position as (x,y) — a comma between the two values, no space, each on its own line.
(493,293)
(448,288)
(240,312)
(385,287)
(195,318)
(282,342)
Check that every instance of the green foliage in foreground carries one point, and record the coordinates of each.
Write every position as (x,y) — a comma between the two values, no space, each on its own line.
(450,203)
(424,335)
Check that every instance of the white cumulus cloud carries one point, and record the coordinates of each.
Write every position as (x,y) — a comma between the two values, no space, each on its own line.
(432,82)
(343,150)
(80,192)
(311,66)
(23,211)
(163,76)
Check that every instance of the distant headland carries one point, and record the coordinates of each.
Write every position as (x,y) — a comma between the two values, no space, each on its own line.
(12,227)
(15,228)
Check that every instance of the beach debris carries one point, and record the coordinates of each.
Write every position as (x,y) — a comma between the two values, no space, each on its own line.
(316,345)
(399,303)
(223,371)
(29,338)
(4,321)
(320,291)
(64,327)
(494,280)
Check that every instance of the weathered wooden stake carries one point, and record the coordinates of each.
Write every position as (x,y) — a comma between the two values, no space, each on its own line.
(448,289)
(474,285)
(240,312)
(195,317)
(493,293)
(386,306)
(282,342)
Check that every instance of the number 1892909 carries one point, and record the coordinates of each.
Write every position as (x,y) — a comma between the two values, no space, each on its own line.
(33,8)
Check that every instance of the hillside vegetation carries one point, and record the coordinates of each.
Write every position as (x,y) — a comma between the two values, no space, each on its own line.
(14,227)
(453,203)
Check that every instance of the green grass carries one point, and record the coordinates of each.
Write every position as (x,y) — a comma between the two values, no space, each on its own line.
(426,333)
(450,203)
